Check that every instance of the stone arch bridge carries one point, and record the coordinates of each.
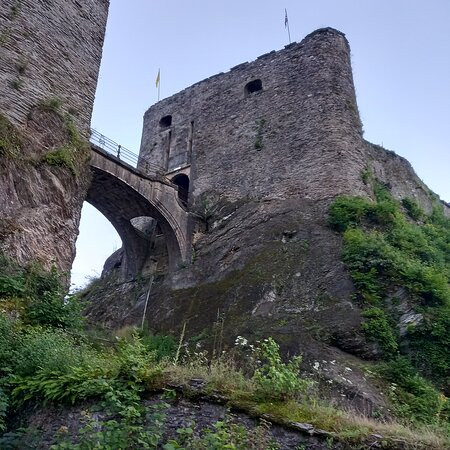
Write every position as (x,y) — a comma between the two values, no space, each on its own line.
(122,192)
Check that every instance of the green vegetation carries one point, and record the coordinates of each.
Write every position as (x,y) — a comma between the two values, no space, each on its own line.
(10,141)
(414,397)
(413,209)
(62,157)
(17,84)
(259,134)
(223,434)
(378,328)
(47,357)
(273,378)
(393,248)
(50,104)
(73,154)
(37,295)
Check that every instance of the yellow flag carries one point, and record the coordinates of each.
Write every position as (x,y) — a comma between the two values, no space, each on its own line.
(158,78)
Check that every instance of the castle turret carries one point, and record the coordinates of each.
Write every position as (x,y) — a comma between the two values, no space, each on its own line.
(50,55)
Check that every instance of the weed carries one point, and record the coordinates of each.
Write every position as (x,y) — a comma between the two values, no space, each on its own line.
(259,134)
(50,104)
(61,157)
(275,379)
(17,84)
(367,176)
(10,140)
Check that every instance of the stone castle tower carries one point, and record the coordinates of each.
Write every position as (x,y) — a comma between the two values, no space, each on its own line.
(50,54)
(258,154)
(286,124)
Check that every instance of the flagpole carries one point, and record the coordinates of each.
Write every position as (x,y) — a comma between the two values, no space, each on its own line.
(286,24)
(158,83)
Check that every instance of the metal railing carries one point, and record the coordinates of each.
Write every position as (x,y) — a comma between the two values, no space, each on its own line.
(122,153)
(113,148)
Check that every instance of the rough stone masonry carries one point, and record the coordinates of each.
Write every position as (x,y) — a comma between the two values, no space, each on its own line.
(50,54)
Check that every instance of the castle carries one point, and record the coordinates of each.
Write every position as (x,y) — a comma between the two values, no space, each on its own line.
(248,162)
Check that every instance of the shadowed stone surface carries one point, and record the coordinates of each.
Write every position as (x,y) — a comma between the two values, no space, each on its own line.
(121,194)
(50,54)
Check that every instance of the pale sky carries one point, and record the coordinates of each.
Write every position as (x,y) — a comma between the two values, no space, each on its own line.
(400,57)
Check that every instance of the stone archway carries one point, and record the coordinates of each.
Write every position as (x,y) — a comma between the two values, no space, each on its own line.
(121,193)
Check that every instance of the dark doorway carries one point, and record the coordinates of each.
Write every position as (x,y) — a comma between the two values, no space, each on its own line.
(182,181)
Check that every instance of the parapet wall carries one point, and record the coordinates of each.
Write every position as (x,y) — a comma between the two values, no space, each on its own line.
(299,135)
(50,49)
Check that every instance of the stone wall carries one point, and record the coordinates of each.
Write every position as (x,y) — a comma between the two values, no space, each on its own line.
(296,136)
(50,49)
(50,52)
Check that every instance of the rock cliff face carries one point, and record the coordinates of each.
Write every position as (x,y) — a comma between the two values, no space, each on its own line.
(50,57)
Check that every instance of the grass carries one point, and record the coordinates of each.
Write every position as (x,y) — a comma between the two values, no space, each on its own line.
(61,157)
(10,140)
(75,152)
(223,377)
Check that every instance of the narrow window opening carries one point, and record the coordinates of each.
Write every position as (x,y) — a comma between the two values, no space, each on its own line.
(169,143)
(165,121)
(253,86)
(182,181)
(190,141)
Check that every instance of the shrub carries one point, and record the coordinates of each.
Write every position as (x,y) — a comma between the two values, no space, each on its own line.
(11,286)
(429,344)
(415,399)
(9,341)
(38,295)
(275,379)
(383,212)
(384,250)
(377,328)
(50,350)
(163,346)
(412,208)
(346,212)
(136,361)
